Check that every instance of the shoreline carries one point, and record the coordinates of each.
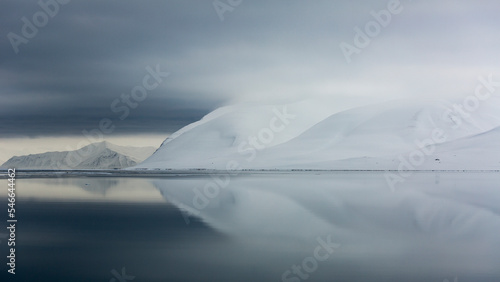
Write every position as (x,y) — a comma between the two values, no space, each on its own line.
(48,173)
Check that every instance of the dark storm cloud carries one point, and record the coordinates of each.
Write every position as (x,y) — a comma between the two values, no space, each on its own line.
(66,77)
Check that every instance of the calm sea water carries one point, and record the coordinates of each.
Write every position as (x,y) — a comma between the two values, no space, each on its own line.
(284,227)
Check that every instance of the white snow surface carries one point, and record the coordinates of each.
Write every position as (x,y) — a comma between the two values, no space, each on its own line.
(415,135)
(102,155)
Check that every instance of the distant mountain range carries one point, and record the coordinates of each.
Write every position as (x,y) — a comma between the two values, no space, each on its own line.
(399,135)
(102,155)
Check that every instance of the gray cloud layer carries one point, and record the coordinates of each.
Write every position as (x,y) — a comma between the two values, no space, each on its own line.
(66,77)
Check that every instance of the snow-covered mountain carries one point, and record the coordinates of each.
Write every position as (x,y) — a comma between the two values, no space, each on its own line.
(309,135)
(102,155)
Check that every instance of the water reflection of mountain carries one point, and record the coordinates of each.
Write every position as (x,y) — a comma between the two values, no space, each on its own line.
(446,224)
(98,186)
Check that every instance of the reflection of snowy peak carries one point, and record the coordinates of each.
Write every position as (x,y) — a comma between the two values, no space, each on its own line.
(103,155)
(307,135)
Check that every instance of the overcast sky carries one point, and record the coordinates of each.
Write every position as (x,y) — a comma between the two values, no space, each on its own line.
(65,78)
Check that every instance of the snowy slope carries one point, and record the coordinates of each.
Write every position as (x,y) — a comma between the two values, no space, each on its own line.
(312,137)
(375,137)
(219,136)
(103,155)
(480,151)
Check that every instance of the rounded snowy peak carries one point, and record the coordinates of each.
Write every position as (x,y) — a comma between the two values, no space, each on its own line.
(308,134)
